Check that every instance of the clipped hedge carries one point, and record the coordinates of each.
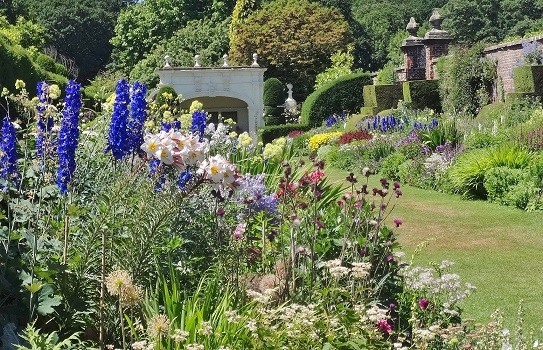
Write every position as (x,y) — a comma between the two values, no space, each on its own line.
(274,95)
(342,94)
(382,96)
(422,94)
(515,97)
(268,133)
(528,79)
(17,63)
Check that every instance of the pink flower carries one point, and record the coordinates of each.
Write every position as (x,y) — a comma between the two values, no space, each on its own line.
(384,327)
(239,231)
(424,303)
(398,222)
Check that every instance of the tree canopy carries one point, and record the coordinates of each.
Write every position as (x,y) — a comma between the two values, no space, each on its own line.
(296,52)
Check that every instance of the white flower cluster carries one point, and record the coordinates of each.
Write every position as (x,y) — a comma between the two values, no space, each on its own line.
(186,150)
(360,270)
(175,148)
(446,286)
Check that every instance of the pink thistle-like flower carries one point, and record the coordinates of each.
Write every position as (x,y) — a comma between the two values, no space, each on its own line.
(398,222)
(424,303)
(220,211)
(384,326)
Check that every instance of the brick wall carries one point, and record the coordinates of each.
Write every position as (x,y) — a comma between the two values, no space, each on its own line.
(507,56)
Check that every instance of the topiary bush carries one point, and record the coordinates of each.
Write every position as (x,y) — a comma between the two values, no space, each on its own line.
(163,92)
(343,94)
(382,97)
(422,94)
(528,79)
(274,96)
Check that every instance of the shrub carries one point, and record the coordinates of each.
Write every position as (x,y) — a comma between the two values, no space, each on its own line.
(412,172)
(162,96)
(343,94)
(483,140)
(422,94)
(390,166)
(445,131)
(351,136)
(524,195)
(273,97)
(353,120)
(269,133)
(382,96)
(468,173)
(498,181)
(528,79)
(491,112)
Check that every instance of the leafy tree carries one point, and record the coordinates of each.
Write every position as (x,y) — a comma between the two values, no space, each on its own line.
(241,11)
(205,37)
(294,40)
(77,29)
(342,63)
(473,21)
(142,27)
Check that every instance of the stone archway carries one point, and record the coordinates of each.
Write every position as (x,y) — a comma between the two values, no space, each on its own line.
(226,88)
(227,107)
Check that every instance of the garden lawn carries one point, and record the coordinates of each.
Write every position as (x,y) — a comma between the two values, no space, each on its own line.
(496,248)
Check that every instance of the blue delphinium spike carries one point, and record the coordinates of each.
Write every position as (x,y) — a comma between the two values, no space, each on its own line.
(8,160)
(198,123)
(138,113)
(117,136)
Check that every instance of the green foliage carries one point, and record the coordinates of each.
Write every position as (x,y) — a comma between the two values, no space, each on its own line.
(528,79)
(491,112)
(274,96)
(465,80)
(342,63)
(207,37)
(446,131)
(242,10)
(142,27)
(524,195)
(161,98)
(344,94)
(468,172)
(382,96)
(295,53)
(479,140)
(79,30)
(499,181)
(40,341)
(269,133)
(387,74)
(17,63)
(422,94)
(24,32)
(390,166)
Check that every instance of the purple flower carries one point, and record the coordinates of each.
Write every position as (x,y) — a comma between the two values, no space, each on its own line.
(68,136)
(398,222)
(252,192)
(384,326)
(138,112)
(117,137)
(8,160)
(198,123)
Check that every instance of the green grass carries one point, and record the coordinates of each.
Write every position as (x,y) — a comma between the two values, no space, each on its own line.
(496,248)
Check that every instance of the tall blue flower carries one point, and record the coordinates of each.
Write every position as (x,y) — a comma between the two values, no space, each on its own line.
(8,161)
(44,124)
(138,112)
(183,179)
(117,137)
(198,123)
(68,136)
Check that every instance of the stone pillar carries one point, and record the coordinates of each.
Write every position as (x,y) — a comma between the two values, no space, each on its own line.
(413,54)
(436,42)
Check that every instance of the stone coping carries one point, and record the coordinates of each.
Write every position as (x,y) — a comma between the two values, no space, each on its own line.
(518,42)
(211,68)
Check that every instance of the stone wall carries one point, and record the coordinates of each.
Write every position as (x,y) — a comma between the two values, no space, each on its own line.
(507,56)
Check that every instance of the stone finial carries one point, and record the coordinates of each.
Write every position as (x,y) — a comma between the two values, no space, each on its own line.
(255,59)
(412,27)
(197,61)
(436,20)
(225,60)
(167,62)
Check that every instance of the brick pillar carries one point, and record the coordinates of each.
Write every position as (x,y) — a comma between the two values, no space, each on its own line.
(436,42)
(413,54)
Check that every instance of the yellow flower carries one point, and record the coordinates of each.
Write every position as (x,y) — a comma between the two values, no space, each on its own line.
(195,106)
(316,141)
(167,116)
(233,134)
(5,92)
(19,84)
(244,140)
(230,122)
(54,91)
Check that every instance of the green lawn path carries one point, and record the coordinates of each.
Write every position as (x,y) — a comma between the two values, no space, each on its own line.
(496,248)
